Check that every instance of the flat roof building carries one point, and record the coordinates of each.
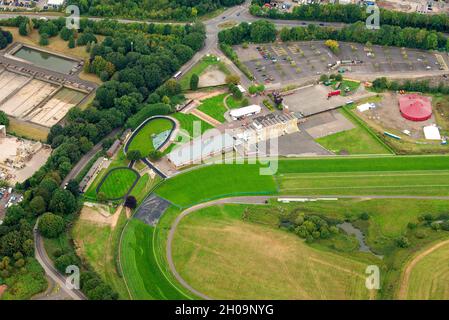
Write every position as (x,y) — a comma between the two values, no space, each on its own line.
(240,113)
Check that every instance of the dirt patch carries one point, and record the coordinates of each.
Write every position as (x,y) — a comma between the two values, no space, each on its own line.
(388,116)
(201,95)
(212,77)
(402,294)
(100,214)
(3,288)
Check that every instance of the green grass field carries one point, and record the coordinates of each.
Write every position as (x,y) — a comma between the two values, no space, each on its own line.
(143,141)
(234,103)
(214,107)
(353,141)
(118,183)
(224,257)
(143,186)
(215,181)
(142,273)
(186,122)
(429,277)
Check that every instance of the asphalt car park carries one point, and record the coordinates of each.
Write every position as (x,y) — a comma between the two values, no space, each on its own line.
(287,62)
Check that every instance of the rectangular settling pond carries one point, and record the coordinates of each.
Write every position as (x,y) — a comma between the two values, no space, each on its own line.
(46,60)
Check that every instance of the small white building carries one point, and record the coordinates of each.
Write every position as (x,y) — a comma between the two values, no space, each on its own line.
(432,133)
(240,113)
(366,106)
(242,90)
(55,3)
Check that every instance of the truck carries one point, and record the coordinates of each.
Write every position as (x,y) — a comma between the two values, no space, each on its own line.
(333,93)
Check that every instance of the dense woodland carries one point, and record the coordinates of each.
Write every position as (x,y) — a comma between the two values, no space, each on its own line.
(135,61)
(262,31)
(181,10)
(350,13)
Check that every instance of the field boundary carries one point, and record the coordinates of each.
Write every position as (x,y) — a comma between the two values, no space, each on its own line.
(345,110)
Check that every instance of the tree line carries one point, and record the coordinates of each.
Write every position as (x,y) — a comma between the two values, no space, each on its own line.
(351,13)
(423,86)
(263,31)
(135,67)
(180,10)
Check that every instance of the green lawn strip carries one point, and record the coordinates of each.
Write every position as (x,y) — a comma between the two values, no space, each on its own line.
(233,103)
(350,115)
(216,181)
(352,85)
(199,68)
(186,122)
(143,276)
(418,183)
(118,183)
(143,140)
(160,248)
(353,141)
(24,285)
(214,107)
(143,186)
(363,163)
(91,193)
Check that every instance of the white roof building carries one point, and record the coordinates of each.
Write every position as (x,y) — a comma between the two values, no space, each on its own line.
(240,87)
(56,3)
(366,106)
(245,111)
(200,149)
(432,133)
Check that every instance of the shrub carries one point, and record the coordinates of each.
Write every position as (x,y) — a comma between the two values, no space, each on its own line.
(412,225)
(364,216)
(64,261)
(445,225)
(134,155)
(194,80)
(403,242)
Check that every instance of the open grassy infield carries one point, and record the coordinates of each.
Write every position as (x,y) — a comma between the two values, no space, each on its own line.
(215,181)
(429,278)
(143,276)
(118,183)
(353,141)
(226,258)
(221,251)
(143,141)
(214,107)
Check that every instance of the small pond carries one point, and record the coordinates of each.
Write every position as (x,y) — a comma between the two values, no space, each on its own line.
(353,231)
(46,60)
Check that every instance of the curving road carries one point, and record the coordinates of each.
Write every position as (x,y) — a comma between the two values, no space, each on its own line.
(50,270)
(254,200)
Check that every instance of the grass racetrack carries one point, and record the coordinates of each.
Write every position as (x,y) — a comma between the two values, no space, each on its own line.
(143,140)
(118,183)
(429,277)
(215,181)
(224,257)
(143,276)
